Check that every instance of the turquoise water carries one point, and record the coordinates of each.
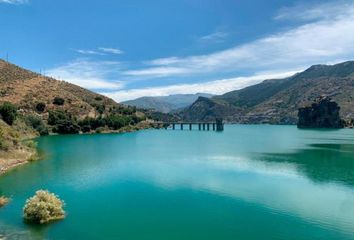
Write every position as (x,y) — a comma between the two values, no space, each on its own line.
(248,182)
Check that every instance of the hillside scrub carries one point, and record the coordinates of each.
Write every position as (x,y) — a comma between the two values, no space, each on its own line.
(63,122)
(8,112)
(43,207)
(37,124)
(40,107)
(58,101)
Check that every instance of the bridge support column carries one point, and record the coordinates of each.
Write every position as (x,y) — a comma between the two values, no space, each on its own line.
(190,127)
(199,126)
(203,126)
(219,124)
(173,126)
(208,128)
(213,126)
(181,126)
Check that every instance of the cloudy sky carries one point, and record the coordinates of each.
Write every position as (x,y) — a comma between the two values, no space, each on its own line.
(131,48)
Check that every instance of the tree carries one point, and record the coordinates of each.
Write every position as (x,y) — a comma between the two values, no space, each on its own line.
(63,122)
(40,107)
(8,112)
(58,101)
(37,124)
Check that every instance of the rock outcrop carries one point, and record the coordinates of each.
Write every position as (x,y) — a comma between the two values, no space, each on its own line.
(323,113)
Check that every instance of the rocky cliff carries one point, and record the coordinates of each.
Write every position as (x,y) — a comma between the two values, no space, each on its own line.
(323,113)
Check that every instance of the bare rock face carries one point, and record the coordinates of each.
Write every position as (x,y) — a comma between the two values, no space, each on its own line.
(323,113)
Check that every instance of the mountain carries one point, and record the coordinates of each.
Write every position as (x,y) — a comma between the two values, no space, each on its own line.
(25,89)
(166,104)
(277,101)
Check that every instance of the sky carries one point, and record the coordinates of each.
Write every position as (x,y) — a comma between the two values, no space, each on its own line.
(132,48)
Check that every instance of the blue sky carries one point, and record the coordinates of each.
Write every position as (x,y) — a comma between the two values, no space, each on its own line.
(132,48)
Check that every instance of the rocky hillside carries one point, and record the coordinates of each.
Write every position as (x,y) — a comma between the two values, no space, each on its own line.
(277,101)
(26,89)
(166,104)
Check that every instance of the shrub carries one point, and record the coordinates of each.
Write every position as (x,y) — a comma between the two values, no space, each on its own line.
(100,130)
(86,128)
(8,112)
(40,107)
(98,98)
(58,101)
(115,121)
(63,122)
(37,124)
(66,126)
(43,207)
(3,201)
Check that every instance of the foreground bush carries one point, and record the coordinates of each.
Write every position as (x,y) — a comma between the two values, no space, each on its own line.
(43,208)
(3,201)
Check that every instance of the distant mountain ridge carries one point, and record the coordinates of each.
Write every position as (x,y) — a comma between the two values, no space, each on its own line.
(277,101)
(166,104)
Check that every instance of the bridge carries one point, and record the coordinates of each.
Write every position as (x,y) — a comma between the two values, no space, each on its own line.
(218,125)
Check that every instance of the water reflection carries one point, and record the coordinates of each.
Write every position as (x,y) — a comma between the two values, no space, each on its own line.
(320,162)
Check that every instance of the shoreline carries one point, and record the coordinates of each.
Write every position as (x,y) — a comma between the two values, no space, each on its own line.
(8,164)
(8,167)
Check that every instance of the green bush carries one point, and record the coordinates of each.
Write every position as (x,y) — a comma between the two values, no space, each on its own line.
(37,124)
(63,122)
(40,107)
(43,207)
(100,129)
(66,126)
(8,112)
(58,101)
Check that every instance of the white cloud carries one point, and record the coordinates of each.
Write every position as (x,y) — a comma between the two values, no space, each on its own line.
(309,11)
(215,37)
(111,50)
(323,40)
(99,51)
(214,87)
(16,2)
(88,74)
(88,52)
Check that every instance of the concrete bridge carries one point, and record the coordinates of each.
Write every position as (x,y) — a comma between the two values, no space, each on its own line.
(218,125)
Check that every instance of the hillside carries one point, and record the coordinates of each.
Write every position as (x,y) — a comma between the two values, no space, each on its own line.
(25,89)
(33,105)
(277,101)
(166,104)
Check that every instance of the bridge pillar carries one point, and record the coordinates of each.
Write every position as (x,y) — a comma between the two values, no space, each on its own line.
(173,126)
(213,126)
(208,127)
(190,127)
(181,126)
(199,126)
(203,126)
(219,124)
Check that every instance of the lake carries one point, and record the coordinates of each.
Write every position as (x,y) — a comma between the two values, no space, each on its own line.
(248,182)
